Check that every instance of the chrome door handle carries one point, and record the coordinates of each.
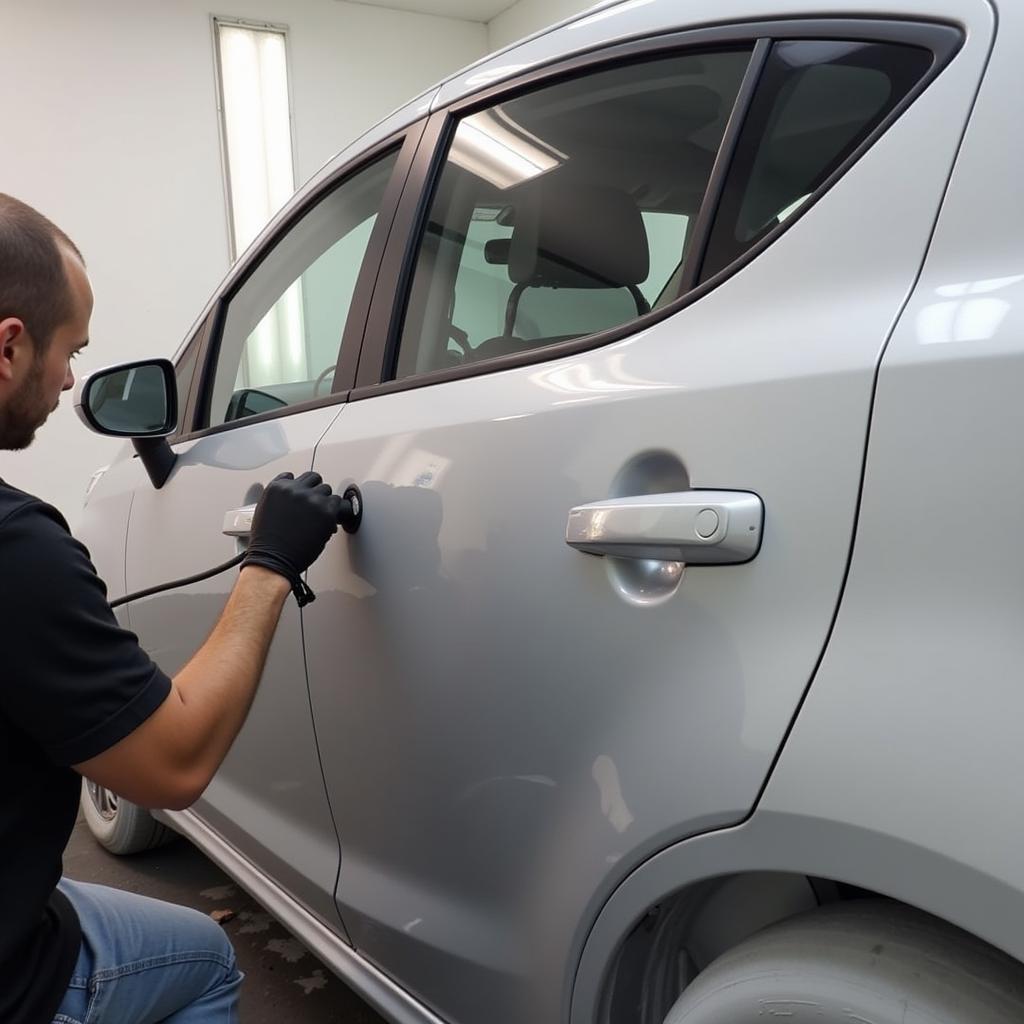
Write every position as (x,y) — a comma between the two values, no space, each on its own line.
(696,527)
(238,522)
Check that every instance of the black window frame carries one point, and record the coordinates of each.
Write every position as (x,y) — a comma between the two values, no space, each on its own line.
(405,143)
(381,338)
(186,373)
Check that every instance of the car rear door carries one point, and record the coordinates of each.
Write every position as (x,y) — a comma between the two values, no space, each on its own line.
(509,724)
(274,375)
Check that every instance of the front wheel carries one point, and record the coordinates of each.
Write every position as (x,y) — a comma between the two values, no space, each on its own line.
(119,826)
(866,960)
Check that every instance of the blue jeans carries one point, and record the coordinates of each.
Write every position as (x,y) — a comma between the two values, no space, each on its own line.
(144,961)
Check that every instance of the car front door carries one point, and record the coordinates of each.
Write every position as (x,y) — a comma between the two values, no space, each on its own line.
(649,278)
(274,379)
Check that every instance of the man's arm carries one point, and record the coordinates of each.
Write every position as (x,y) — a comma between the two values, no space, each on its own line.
(170,758)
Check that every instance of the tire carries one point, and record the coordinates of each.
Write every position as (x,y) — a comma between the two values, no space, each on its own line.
(119,826)
(866,960)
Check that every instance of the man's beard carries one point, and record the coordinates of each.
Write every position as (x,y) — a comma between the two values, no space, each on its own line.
(25,413)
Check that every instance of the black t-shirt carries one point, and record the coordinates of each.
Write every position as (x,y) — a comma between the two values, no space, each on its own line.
(72,684)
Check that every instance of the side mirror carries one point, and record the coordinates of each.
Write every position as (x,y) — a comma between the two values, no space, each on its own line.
(130,400)
(137,400)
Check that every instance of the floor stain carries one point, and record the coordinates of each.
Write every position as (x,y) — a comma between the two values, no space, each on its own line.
(308,985)
(219,892)
(290,949)
(254,922)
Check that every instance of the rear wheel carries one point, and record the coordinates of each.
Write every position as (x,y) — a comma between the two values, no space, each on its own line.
(864,960)
(120,826)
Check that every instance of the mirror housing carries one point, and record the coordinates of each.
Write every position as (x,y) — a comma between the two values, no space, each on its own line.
(138,400)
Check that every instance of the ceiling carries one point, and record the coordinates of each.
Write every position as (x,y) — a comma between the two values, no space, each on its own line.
(468,10)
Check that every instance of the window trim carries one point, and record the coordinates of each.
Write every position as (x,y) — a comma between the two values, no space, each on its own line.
(720,169)
(187,401)
(405,143)
(944,39)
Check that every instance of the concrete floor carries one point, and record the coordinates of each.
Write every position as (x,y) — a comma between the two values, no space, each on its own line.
(284,982)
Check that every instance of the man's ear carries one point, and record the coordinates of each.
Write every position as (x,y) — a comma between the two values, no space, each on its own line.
(15,345)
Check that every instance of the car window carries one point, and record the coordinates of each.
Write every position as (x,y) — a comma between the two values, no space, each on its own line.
(283,328)
(816,102)
(565,211)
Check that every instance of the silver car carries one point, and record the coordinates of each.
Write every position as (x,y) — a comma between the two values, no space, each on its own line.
(673,675)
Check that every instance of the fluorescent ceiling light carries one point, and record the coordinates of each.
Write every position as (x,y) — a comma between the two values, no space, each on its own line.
(257,127)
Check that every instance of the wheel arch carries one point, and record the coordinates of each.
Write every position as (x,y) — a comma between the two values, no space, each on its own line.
(824,853)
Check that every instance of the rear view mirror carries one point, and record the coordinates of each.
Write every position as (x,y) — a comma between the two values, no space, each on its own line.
(131,400)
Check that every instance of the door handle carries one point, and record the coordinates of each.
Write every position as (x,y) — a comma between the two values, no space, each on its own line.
(696,527)
(238,522)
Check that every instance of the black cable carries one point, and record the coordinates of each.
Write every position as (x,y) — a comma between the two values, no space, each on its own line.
(198,578)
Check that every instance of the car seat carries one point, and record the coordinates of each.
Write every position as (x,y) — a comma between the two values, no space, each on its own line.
(573,236)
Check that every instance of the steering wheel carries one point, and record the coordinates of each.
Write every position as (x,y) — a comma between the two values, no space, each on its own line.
(323,376)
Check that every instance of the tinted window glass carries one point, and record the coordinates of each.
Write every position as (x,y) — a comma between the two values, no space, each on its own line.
(565,211)
(816,103)
(283,328)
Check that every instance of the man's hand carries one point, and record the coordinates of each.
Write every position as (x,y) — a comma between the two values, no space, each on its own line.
(293,522)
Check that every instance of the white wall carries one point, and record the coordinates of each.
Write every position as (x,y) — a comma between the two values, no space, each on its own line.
(528,16)
(110,129)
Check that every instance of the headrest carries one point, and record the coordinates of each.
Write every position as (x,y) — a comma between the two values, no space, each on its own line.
(578,236)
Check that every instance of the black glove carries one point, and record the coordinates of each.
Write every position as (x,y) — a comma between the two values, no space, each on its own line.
(294,520)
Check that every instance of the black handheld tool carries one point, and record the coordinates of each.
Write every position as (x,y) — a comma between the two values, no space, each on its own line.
(349,519)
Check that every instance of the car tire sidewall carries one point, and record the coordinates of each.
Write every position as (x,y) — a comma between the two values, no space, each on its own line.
(131,829)
(866,960)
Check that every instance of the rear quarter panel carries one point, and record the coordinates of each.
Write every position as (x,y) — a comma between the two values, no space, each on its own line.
(912,731)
